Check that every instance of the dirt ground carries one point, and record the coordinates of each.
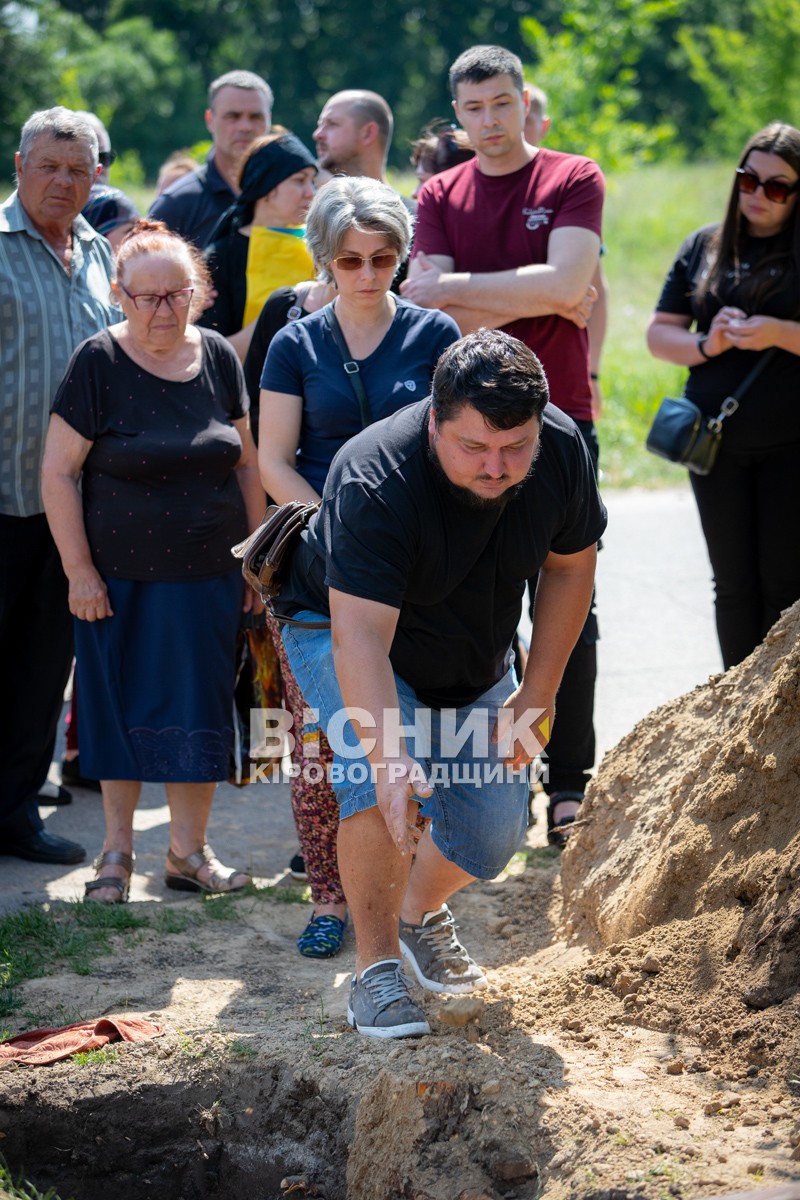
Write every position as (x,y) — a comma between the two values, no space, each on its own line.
(640,1036)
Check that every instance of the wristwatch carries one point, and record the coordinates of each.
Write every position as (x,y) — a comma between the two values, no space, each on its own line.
(701,345)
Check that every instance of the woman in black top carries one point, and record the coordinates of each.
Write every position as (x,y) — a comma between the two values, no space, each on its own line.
(149,477)
(732,293)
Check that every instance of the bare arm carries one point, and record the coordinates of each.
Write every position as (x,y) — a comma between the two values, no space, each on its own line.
(362,632)
(254,498)
(65,452)
(597,325)
(538,289)
(241,340)
(670,336)
(563,595)
(247,476)
(278,438)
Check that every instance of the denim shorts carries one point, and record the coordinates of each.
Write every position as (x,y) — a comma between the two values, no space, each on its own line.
(479,807)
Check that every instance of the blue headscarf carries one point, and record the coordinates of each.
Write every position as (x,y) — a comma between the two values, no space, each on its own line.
(263,171)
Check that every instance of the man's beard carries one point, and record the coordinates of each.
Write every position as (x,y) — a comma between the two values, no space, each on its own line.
(344,164)
(470,499)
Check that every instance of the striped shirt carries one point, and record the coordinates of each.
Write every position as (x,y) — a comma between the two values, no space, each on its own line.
(44,314)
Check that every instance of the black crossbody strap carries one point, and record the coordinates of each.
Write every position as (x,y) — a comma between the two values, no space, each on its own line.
(731,403)
(350,365)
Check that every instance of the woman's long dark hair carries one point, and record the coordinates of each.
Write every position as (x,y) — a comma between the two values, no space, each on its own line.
(724,249)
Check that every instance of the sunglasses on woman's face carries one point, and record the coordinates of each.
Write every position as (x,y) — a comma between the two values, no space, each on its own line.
(774,189)
(354,262)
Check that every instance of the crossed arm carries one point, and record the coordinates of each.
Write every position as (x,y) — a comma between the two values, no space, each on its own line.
(562,285)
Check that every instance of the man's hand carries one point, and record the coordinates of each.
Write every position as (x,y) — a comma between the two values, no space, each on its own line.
(580,313)
(397,782)
(88,595)
(523,727)
(424,287)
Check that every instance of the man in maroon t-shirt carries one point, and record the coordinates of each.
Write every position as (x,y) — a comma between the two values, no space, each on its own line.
(511,239)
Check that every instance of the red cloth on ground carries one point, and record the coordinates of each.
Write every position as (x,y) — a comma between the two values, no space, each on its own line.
(40,1046)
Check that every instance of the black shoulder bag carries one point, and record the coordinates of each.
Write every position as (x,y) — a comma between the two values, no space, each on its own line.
(682,433)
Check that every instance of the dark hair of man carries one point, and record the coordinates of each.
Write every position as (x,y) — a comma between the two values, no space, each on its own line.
(725,247)
(497,375)
(485,62)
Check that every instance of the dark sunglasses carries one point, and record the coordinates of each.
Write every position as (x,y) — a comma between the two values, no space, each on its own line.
(106,158)
(774,189)
(354,262)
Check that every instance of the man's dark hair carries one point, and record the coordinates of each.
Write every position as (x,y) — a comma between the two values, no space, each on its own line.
(484,62)
(498,375)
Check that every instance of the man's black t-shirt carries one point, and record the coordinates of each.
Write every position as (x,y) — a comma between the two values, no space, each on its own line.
(389,530)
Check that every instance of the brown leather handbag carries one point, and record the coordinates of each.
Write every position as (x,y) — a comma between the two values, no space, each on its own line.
(266,552)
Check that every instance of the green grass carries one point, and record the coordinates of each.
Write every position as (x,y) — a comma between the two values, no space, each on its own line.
(37,939)
(86,1058)
(19,1188)
(648,213)
(41,939)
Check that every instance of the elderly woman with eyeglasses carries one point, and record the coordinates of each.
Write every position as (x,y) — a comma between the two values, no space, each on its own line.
(731,295)
(149,477)
(358,232)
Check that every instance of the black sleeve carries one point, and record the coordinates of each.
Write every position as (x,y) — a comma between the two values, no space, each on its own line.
(585,516)
(679,286)
(77,400)
(227,262)
(371,553)
(273,317)
(228,370)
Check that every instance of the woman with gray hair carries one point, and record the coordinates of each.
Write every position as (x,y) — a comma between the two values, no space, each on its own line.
(358,359)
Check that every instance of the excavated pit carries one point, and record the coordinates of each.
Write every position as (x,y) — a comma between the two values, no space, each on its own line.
(639,1040)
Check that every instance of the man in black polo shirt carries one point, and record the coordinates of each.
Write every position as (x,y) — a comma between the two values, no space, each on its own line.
(431,521)
(239,111)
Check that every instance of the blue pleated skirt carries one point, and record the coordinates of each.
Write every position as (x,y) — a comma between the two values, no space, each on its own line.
(155,681)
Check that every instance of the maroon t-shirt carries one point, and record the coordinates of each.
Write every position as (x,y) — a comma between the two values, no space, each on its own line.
(498,222)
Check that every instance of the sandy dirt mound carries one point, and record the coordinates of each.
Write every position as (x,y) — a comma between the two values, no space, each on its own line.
(696,814)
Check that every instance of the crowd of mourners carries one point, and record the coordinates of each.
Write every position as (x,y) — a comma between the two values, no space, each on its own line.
(284,326)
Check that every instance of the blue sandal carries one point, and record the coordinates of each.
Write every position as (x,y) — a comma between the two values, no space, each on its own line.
(322,936)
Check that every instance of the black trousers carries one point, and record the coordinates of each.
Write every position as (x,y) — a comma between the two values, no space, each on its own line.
(35,658)
(750,513)
(571,749)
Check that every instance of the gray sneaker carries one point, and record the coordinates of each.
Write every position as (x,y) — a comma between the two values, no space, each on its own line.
(440,962)
(380,1005)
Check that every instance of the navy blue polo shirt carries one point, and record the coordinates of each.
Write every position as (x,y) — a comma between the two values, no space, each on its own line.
(194,203)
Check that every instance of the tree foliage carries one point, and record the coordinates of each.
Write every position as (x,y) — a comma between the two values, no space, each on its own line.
(629,80)
(749,73)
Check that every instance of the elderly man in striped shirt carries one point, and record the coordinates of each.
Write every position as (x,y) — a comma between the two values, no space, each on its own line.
(54,292)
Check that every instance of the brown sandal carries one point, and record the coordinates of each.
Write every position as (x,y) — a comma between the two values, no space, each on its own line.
(111,858)
(220,880)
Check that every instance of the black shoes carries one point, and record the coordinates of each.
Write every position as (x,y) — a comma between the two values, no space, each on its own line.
(43,847)
(52,793)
